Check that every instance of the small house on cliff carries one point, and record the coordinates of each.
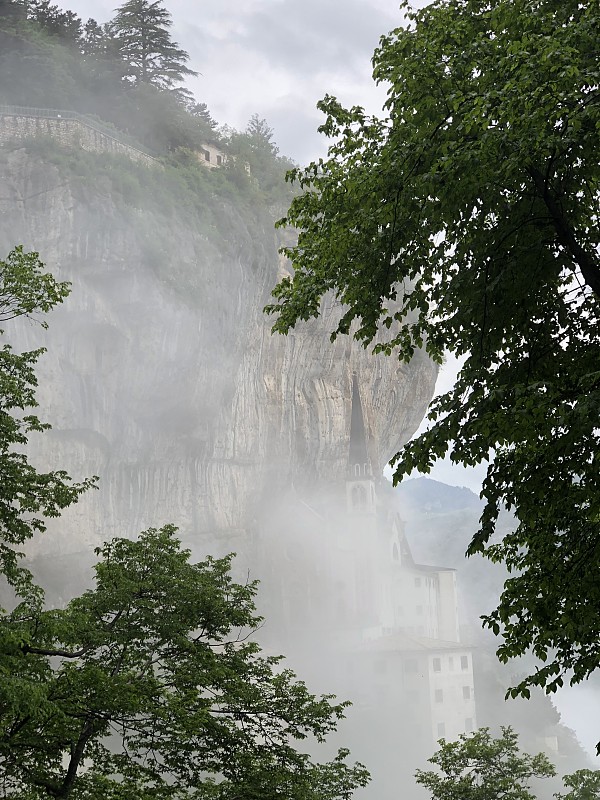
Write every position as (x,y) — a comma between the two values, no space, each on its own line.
(211,156)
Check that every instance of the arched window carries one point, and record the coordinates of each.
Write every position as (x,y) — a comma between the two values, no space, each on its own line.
(359,496)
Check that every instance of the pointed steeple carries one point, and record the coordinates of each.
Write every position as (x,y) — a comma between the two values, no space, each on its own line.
(358,453)
(360,489)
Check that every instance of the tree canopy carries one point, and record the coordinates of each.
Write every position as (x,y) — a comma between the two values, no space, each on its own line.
(465,220)
(53,20)
(480,767)
(149,686)
(141,28)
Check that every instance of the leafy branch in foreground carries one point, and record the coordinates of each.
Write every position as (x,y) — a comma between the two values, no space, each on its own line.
(583,785)
(27,497)
(466,221)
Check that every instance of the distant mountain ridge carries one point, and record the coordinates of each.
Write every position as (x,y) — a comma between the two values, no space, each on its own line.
(427,495)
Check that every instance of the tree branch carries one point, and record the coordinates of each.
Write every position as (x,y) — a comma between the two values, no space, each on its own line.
(88,730)
(590,269)
(42,651)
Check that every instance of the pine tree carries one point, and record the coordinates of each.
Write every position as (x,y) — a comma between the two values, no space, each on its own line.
(94,39)
(261,135)
(11,11)
(141,28)
(54,21)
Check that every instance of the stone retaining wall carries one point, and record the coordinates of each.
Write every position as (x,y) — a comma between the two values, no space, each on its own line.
(69,131)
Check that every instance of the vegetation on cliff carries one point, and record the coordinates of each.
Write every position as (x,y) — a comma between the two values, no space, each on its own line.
(139,33)
(128,72)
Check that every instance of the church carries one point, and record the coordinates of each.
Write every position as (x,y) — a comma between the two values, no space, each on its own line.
(345,576)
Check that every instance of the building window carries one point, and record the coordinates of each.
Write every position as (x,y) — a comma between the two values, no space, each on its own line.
(417,582)
(219,160)
(206,155)
(359,496)
(464,662)
(466,692)
(441,729)
(468,725)
(437,664)
(439,695)
(450,662)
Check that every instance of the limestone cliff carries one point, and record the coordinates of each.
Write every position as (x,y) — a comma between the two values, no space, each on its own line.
(161,374)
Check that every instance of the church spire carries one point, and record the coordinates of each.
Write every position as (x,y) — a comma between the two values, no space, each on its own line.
(358,455)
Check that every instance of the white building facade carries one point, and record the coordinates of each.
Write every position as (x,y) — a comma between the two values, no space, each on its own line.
(408,633)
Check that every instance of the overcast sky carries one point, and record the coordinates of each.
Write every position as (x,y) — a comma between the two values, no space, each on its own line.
(276,58)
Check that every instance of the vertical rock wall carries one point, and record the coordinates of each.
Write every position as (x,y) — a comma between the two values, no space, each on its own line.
(183,402)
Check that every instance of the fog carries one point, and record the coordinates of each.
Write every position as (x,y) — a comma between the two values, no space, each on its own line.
(162,377)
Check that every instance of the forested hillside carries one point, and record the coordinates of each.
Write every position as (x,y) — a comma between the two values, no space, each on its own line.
(51,59)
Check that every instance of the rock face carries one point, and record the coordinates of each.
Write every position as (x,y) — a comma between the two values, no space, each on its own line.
(161,374)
